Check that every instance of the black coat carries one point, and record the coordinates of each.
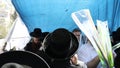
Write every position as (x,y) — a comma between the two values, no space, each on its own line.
(32,47)
(57,63)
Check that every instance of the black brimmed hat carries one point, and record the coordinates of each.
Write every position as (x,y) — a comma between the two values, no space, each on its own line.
(23,58)
(60,44)
(116,35)
(36,33)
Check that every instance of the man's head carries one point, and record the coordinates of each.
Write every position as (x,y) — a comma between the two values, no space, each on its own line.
(77,32)
(36,35)
(60,44)
(116,36)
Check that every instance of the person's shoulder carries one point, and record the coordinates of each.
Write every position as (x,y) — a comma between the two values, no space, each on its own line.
(29,43)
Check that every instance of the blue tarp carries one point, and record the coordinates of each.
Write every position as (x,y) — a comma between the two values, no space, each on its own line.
(51,14)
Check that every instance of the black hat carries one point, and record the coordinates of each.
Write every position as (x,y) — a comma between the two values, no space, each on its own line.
(36,33)
(44,34)
(116,35)
(22,58)
(13,65)
(60,44)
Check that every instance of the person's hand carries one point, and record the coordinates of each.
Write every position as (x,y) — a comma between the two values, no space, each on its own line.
(74,60)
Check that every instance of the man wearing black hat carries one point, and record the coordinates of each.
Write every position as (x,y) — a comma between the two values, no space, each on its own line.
(58,48)
(35,43)
(116,40)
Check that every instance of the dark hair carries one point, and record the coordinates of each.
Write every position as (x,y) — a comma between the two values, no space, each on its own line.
(116,36)
(76,30)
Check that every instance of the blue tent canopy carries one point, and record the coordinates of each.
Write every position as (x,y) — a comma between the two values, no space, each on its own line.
(51,14)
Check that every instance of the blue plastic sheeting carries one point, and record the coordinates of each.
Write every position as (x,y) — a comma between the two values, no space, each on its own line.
(51,14)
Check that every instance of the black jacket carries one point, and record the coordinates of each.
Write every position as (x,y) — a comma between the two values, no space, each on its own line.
(32,47)
(57,63)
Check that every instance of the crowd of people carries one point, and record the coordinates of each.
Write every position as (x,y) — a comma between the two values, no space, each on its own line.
(63,49)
